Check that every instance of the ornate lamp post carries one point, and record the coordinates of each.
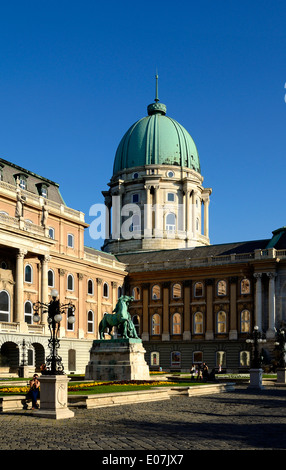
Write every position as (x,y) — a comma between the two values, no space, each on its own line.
(55,311)
(256,362)
(53,381)
(280,344)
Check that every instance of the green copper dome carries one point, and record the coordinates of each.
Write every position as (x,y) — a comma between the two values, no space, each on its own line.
(156,139)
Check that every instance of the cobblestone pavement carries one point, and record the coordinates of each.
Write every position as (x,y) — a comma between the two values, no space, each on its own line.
(240,420)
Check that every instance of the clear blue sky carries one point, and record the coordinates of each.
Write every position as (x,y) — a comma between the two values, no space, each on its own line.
(75,75)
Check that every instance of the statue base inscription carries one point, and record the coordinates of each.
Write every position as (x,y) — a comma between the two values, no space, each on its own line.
(117,359)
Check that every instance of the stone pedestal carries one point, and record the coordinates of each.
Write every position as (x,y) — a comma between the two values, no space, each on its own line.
(281,376)
(117,359)
(54,397)
(256,378)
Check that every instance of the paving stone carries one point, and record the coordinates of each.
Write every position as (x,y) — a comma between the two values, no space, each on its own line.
(244,419)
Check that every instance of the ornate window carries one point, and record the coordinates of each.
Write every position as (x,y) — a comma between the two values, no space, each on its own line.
(156,292)
(51,278)
(221,322)
(135,224)
(198,323)
(155,324)
(70,240)
(28,273)
(28,312)
(136,293)
(105,290)
(52,233)
(4,306)
(197,357)
(245,286)
(90,287)
(245,321)
(221,288)
(176,324)
(70,282)
(175,359)
(177,291)
(244,358)
(198,289)
(220,358)
(171,222)
(154,358)
(136,322)
(90,321)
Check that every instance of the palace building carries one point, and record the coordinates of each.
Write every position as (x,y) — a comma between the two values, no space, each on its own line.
(41,248)
(193,302)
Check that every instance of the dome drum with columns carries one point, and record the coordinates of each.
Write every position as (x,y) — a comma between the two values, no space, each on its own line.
(156,199)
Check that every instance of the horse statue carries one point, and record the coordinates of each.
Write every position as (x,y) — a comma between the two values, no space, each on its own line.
(121,318)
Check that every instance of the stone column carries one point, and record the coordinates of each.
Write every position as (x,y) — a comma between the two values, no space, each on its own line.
(19,307)
(146,321)
(148,213)
(187,311)
(99,299)
(209,310)
(44,285)
(81,317)
(166,322)
(233,310)
(258,301)
(194,214)
(206,217)
(158,231)
(271,306)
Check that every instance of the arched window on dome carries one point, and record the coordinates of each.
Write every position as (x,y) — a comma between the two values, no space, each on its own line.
(170,222)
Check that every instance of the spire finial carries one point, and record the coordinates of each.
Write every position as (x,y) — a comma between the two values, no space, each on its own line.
(157,96)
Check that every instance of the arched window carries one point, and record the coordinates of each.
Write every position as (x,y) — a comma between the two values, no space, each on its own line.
(4,306)
(245,286)
(70,240)
(244,358)
(221,288)
(136,323)
(177,291)
(175,359)
(176,324)
(170,222)
(51,278)
(90,321)
(90,286)
(28,312)
(28,273)
(198,289)
(155,358)
(136,293)
(136,224)
(105,290)
(245,321)
(198,323)
(52,233)
(155,327)
(70,283)
(156,291)
(220,358)
(221,322)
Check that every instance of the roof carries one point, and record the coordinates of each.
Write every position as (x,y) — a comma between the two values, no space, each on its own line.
(156,139)
(191,253)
